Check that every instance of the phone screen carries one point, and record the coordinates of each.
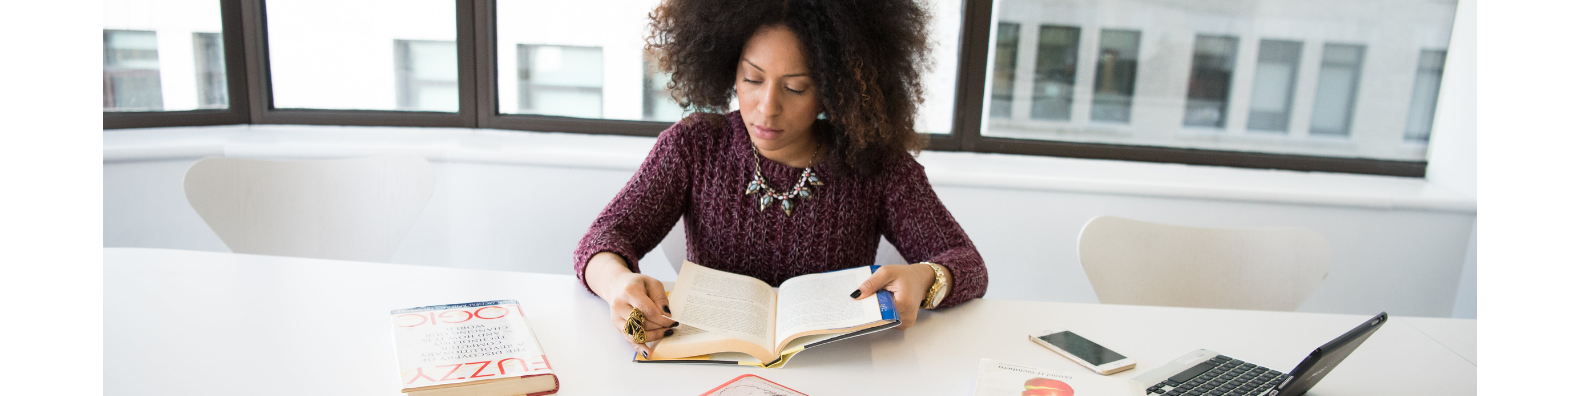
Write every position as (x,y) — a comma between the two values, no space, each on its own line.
(1082,348)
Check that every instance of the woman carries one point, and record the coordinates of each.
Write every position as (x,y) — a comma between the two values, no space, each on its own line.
(804,178)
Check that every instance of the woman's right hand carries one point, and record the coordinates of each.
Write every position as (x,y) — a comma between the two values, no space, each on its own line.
(609,276)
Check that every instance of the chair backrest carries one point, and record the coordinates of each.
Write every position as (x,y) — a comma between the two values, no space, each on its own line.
(1140,263)
(352,209)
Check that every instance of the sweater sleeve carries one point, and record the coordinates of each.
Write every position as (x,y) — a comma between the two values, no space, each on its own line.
(641,214)
(919,226)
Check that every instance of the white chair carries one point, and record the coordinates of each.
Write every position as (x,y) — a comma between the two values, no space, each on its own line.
(352,209)
(1140,263)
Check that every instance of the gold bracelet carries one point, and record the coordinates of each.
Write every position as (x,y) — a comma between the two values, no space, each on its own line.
(939,283)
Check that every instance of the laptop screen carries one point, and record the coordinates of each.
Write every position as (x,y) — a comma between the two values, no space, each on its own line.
(1322,360)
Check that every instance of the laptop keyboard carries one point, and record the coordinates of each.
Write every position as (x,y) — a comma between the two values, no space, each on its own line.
(1220,376)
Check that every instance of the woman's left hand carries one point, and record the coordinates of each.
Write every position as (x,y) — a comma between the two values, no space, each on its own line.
(909,283)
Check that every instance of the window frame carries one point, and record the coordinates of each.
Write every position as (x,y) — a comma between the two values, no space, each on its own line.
(245,36)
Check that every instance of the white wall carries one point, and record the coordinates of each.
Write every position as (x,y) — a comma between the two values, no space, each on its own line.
(520,201)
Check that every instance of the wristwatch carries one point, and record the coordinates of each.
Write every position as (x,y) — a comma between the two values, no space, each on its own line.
(940,288)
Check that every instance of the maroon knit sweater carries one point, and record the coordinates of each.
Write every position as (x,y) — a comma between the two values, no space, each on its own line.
(700,172)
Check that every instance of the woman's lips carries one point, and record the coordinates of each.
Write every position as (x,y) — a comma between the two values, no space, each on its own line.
(766,133)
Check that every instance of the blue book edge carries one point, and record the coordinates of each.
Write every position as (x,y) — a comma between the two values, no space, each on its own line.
(886,301)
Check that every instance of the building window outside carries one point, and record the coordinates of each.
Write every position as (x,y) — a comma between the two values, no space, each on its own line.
(1053,83)
(1004,69)
(208,54)
(1423,100)
(1117,55)
(426,77)
(1212,71)
(1334,106)
(560,80)
(1273,90)
(657,102)
(131,71)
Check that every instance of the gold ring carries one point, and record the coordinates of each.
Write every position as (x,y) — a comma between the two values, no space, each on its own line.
(636,326)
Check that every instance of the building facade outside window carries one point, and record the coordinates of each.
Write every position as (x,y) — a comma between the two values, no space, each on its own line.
(131,71)
(560,80)
(1277,67)
(1335,100)
(1117,57)
(1327,78)
(1423,100)
(1212,72)
(208,54)
(425,76)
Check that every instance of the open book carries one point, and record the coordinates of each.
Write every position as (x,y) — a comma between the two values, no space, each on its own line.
(725,315)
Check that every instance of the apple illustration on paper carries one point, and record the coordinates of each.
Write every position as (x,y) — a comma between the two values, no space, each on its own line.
(1047,387)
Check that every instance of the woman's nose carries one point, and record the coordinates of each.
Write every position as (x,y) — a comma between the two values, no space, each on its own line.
(768,103)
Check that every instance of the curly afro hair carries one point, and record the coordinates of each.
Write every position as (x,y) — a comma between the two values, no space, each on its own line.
(865,56)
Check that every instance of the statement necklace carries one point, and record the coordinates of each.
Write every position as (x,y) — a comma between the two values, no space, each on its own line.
(802,189)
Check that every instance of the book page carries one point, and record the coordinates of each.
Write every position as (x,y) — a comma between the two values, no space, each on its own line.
(726,304)
(822,301)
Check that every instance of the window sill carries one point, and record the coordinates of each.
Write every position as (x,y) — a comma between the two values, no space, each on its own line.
(949,169)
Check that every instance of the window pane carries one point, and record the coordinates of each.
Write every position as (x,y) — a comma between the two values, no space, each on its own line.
(1330,78)
(1336,83)
(1004,69)
(363,54)
(1117,54)
(1423,100)
(1054,84)
(560,80)
(163,56)
(1212,69)
(587,60)
(1277,65)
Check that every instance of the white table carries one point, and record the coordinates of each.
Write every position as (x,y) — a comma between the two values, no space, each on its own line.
(189,323)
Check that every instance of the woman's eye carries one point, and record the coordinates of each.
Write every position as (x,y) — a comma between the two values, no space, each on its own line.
(753,82)
(795,90)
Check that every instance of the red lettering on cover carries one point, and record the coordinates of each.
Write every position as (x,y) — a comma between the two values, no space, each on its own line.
(452,371)
(419,375)
(421,320)
(449,314)
(502,313)
(518,361)
(480,369)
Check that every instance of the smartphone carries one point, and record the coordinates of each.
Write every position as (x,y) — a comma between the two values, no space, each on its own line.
(1083,351)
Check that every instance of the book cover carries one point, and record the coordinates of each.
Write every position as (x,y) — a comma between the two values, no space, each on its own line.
(1004,379)
(481,346)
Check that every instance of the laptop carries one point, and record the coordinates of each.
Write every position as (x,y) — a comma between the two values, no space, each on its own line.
(1208,373)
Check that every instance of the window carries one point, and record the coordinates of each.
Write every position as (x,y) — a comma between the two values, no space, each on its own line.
(208,52)
(1423,100)
(1277,66)
(1053,86)
(425,76)
(1336,83)
(657,102)
(1117,55)
(1148,81)
(560,80)
(1004,69)
(1212,70)
(362,55)
(131,71)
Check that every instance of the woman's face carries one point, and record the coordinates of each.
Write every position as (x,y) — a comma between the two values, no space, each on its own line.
(777,97)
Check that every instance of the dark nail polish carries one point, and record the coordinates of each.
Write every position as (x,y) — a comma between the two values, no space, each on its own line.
(856,293)
(644,355)
(677,324)
(669,333)
(666,309)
